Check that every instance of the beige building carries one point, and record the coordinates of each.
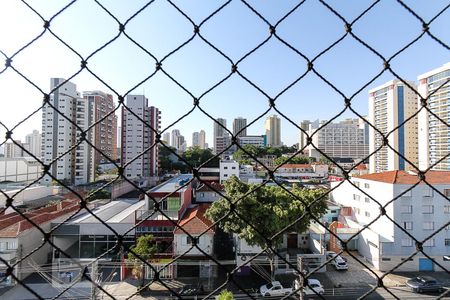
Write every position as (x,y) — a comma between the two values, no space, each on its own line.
(390,105)
(273,131)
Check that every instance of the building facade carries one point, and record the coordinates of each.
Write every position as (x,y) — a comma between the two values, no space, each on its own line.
(255,140)
(221,136)
(434,143)
(304,125)
(239,125)
(390,105)
(346,139)
(138,139)
(14,150)
(34,143)
(272,127)
(416,208)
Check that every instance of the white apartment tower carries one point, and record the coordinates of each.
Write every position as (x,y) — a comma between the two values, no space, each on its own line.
(166,138)
(138,139)
(434,135)
(195,139)
(390,105)
(346,139)
(221,136)
(174,140)
(34,142)
(238,125)
(272,126)
(59,133)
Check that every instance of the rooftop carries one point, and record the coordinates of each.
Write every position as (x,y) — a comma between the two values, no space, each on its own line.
(172,184)
(194,221)
(402,177)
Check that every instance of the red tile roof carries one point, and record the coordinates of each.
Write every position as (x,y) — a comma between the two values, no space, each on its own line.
(402,177)
(194,220)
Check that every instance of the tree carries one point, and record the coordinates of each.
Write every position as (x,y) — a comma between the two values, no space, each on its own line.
(196,157)
(294,160)
(225,295)
(269,209)
(145,248)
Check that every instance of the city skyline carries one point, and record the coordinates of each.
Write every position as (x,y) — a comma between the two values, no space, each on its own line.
(273,75)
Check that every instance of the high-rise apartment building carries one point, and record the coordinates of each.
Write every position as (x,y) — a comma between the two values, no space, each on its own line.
(195,139)
(174,138)
(104,133)
(202,139)
(59,134)
(138,139)
(34,143)
(304,125)
(346,139)
(434,134)
(166,138)
(239,125)
(390,105)
(273,131)
(221,136)
(13,150)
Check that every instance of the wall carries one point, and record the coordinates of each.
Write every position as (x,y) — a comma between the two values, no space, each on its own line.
(29,194)
(19,169)
(180,245)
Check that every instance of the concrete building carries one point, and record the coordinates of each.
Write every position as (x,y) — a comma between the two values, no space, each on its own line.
(59,133)
(138,139)
(416,207)
(346,139)
(434,143)
(195,139)
(239,125)
(166,138)
(304,125)
(228,168)
(104,135)
(202,140)
(301,171)
(221,136)
(255,140)
(34,143)
(272,127)
(22,169)
(389,106)
(14,150)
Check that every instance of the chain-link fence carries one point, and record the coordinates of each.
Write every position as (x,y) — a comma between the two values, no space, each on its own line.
(73,271)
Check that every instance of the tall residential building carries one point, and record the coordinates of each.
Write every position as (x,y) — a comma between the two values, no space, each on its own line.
(202,139)
(304,125)
(389,106)
(104,135)
(34,143)
(13,150)
(138,139)
(174,138)
(181,144)
(59,133)
(195,139)
(346,139)
(273,131)
(166,138)
(221,136)
(238,125)
(434,135)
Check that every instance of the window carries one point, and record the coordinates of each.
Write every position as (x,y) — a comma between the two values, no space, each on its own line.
(356,197)
(366,185)
(386,259)
(447,209)
(447,192)
(356,183)
(447,242)
(428,192)
(428,225)
(409,259)
(367,199)
(407,225)
(407,242)
(367,214)
(406,209)
(357,210)
(225,168)
(429,243)
(427,209)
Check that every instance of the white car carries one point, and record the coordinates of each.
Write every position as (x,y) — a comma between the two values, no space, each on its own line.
(339,263)
(314,286)
(274,288)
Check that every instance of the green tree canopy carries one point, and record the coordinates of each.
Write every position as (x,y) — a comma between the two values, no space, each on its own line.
(270,209)
(145,247)
(294,160)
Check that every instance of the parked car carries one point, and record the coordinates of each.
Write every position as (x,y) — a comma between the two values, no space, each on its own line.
(314,286)
(339,263)
(274,288)
(424,284)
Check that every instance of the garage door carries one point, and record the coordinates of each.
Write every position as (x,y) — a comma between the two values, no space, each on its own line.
(425,264)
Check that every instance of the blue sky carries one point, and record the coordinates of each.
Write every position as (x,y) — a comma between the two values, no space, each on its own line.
(235,30)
